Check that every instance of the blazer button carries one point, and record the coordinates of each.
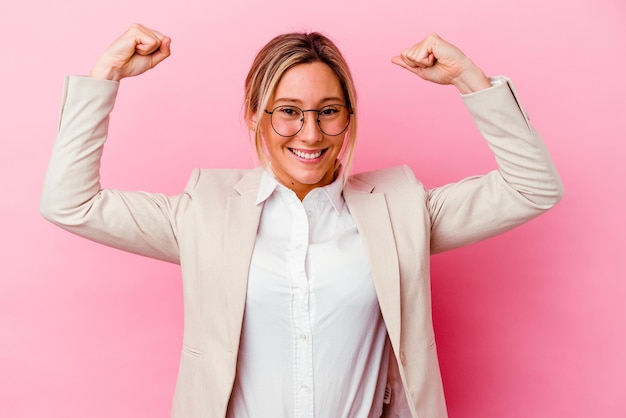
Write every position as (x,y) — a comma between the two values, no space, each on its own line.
(402,358)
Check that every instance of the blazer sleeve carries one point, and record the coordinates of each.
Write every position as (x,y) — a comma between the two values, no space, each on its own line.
(72,198)
(525,184)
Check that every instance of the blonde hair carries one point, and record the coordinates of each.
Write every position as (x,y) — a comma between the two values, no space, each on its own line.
(274,59)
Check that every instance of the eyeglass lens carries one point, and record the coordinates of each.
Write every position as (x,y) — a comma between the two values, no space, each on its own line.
(288,120)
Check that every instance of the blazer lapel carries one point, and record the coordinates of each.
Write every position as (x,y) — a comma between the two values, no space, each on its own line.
(370,212)
(371,215)
(242,222)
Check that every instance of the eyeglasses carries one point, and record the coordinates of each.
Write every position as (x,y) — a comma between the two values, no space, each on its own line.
(287,121)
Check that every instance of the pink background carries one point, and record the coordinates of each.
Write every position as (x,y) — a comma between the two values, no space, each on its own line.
(529,324)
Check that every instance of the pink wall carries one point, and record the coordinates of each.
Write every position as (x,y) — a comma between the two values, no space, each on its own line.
(530,324)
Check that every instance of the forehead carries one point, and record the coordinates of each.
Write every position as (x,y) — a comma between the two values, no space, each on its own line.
(310,82)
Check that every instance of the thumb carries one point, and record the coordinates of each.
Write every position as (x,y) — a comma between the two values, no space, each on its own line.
(163,51)
(399,61)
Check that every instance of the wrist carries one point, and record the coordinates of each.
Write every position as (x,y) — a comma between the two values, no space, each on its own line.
(104,73)
(471,80)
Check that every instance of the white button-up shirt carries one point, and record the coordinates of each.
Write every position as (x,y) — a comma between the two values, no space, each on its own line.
(313,338)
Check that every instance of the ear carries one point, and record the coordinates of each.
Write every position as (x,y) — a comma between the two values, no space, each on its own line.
(252,120)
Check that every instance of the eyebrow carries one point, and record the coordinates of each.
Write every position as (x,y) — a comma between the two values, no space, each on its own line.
(298,101)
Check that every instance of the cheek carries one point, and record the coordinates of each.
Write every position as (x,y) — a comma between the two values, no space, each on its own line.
(272,143)
(342,142)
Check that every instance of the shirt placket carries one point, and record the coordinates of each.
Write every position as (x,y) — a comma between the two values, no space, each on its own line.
(300,314)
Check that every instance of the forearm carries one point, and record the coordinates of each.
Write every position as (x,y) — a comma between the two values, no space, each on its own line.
(73,178)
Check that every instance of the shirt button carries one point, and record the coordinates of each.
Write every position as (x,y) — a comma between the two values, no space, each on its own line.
(304,388)
(302,337)
(309,213)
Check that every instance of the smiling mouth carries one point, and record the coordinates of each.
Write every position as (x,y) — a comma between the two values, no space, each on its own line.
(307,155)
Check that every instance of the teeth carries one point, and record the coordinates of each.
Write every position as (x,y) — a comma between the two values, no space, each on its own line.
(306,155)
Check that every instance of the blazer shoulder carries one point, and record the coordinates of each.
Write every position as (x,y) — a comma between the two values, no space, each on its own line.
(387,179)
(223,181)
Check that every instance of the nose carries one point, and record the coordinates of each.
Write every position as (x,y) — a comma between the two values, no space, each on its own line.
(310,131)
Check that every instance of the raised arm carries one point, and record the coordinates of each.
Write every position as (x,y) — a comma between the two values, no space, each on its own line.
(72,197)
(526,182)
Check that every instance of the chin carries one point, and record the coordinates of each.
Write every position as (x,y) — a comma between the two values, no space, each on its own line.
(313,179)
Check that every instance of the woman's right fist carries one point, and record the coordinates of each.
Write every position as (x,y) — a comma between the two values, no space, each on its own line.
(135,52)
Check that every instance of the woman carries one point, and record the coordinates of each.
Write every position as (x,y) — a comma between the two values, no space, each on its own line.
(306,290)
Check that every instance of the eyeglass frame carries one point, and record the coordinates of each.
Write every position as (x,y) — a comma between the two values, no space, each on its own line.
(350,113)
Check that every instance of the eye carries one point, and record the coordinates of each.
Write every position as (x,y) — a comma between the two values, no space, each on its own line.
(288,112)
(329,112)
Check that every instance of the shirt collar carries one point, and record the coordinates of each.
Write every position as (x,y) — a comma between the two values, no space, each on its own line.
(333,191)
(267,187)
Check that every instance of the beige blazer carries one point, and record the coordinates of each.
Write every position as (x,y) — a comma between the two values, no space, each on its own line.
(210,230)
